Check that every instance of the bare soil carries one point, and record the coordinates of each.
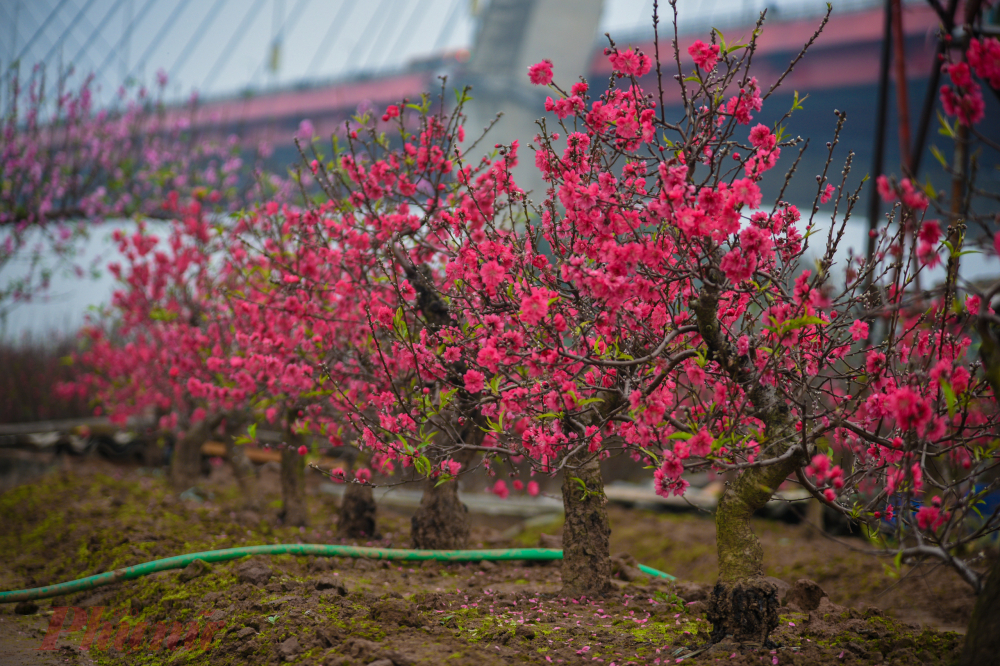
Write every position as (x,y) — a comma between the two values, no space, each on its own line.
(335,611)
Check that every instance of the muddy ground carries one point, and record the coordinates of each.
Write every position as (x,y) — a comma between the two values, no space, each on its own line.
(295,610)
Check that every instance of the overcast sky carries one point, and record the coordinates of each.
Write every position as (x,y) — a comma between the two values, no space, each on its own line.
(225,46)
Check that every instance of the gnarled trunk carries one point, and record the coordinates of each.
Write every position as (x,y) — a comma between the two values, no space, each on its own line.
(243,469)
(357,513)
(982,640)
(586,564)
(293,483)
(744,605)
(185,462)
(442,521)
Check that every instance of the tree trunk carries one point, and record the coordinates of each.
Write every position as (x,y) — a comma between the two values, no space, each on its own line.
(586,564)
(357,513)
(243,469)
(185,462)
(744,605)
(442,521)
(293,484)
(982,640)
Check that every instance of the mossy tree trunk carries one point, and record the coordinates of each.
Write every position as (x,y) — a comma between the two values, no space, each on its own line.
(586,564)
(743,604)
(442,521)
(982,640)
(357,512)
(185,462)
(293,482)
(243,469)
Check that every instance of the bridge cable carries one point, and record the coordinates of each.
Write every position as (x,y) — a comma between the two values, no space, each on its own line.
(449,25)
(290,22)
(195,38)
(41,28)
(65,33)
(364,36)
(406,36)
(334,30)
(43,41)
(159,36)
(97,32)
(237,37)
(128,29)
(388,27)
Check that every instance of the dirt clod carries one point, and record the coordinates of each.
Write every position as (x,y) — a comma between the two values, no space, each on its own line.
(359,648)
(194,570)
(246,632)
(804,594)
(397,611)
(689,591)
(524,631)
(254,573)
(26,608)
(329,636)
(289,649)
(331,583)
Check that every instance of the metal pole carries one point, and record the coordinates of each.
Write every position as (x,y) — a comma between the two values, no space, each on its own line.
(931,96)
(880,122)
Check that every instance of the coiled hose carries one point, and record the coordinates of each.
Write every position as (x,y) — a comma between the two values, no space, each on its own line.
(319,550)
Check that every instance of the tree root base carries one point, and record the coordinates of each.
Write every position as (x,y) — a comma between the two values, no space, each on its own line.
(747,610)
(442,521)
(357,513)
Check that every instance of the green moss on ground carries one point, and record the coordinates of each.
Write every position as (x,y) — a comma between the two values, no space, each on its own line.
(69,526)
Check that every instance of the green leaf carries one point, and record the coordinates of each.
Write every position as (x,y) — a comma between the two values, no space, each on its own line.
(939,157)
(797,323)
(422,465)
(252,431)
(399,323)
(949,396)
(160,314)
(945,129)
(446,397)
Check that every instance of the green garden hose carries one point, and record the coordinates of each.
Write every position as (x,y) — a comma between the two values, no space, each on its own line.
(320,550)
